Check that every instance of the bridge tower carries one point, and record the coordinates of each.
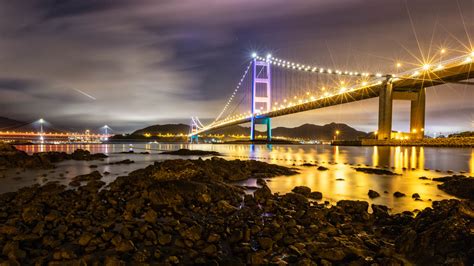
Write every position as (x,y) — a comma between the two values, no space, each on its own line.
(261,95)
(417,111)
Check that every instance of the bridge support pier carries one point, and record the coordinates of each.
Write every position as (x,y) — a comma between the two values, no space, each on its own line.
(385,112)
(417,111)
(261,121)
(417,114)
(194,139)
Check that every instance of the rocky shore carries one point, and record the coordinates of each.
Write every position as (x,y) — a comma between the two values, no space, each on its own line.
(10,157)
(429,142)
(187,212)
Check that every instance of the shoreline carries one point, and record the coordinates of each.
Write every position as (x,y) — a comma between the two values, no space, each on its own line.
(189,211)
(466,142)
(177,212)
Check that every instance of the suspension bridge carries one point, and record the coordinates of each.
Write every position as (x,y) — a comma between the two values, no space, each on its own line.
(272,87)
(42,131)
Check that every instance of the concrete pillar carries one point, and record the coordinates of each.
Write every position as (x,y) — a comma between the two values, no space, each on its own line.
(417,115)
(269,129)
(385,112)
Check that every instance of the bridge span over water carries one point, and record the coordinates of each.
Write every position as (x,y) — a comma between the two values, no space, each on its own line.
(263,103)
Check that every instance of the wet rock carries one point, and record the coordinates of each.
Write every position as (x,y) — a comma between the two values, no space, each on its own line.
(164,239)
(315,195)
(8,230)
(295,198)
(88,177)
(261,182)
(457,185)
(85,239)
(265,242)
(398,194)
(423,178)
(438,235)
(332,254)
(322,168)
(150,216)
(353,207)
(213,238)
(262,193)
(415,196)
(225,207)
(125,246)
(380,212)
(83,155)
(192,233)
(374,171)
(210,250)
(305,191)
(126,161)
(373,194)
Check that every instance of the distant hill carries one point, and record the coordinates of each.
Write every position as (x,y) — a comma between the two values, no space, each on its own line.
(306,131)
(326,132)
(164,129)
(10,124)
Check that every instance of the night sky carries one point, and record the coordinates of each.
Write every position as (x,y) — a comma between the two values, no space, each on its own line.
(132,63)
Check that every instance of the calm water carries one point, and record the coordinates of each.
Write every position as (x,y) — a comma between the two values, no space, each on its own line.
(340,182)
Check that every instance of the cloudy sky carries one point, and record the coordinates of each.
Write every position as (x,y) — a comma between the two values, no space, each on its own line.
(132,63)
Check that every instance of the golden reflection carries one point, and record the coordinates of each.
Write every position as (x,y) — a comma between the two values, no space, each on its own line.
(471,164)
(375,156)
(405,158)
(336,154)
(413,157)
(421,158)
(398,158)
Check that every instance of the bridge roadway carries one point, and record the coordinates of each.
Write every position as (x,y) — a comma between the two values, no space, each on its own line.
(453,71)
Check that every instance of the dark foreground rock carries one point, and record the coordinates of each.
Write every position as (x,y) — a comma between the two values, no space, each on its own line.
(184,212)
(375,171)
(440,235)
(457,185)
(10,157)
(186,152)
(373,194)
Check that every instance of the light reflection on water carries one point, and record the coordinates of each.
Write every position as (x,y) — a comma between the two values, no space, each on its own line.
(341,181)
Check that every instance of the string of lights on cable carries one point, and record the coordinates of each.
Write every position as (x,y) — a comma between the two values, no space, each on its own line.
(307,68)
(229,101)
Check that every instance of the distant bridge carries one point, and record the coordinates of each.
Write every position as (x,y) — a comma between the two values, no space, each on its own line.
(51,136)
